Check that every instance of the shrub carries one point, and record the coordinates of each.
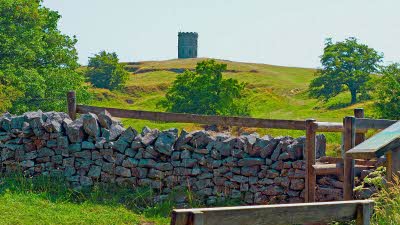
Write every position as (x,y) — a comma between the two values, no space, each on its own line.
(205,91)
(105,71)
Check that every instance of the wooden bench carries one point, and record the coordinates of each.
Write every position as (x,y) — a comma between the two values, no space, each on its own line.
(277,214)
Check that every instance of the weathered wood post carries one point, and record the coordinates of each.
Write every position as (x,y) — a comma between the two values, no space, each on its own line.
(310,181)
(364,212)
(348,170)
(393,164)
(71,102)
(360,137)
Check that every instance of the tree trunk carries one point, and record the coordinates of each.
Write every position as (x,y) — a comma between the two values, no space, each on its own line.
(353,96)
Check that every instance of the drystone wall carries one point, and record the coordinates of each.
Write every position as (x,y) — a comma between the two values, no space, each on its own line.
(96,148)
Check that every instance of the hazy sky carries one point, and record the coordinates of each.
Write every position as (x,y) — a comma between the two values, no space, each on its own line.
(281,32)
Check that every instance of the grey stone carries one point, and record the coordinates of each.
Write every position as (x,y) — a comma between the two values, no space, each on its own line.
(130,162)
(75,131)
(44,152)
(120,145)
(105,119)
(85,181)
(88,145)
(250,162)
(128,135)
(94,172)
(150,137)
(122,171)
(148,163)
(297,184)
(164,166)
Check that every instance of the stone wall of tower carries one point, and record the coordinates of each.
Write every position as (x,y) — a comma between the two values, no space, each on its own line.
(187,45)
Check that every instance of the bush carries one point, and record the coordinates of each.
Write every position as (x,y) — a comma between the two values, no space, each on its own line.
(105,71)
(205,91)
(388,93)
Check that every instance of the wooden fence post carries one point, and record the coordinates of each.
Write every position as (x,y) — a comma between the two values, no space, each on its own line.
(392,164)
(310,181)
(360,137)
(364,212)
(348,170)
(71,101)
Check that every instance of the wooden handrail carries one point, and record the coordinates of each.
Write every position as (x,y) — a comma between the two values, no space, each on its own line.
(377,124)
(379,144)
(276,214)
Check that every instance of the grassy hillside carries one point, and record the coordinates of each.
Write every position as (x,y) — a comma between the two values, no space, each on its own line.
(275,92)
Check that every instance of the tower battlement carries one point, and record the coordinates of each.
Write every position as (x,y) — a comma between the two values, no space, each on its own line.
(187,45)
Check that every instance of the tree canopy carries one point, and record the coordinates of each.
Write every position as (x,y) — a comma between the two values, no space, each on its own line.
(388,93)
(105,71)
(346,65)
(37,62)
(205,91)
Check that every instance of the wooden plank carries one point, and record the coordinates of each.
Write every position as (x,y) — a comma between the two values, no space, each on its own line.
(310,181)
(373,123)
(274,214)
(337,169)
(194,118)
(377,145)
(71,104)
(348,171)
(328,169)
(360,137)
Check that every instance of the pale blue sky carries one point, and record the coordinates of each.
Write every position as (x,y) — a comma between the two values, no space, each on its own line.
(284,32)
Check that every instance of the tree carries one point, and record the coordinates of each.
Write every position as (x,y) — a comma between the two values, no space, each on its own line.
(105,71)
(37,63)
(346,65)
(205,91)
(387,101)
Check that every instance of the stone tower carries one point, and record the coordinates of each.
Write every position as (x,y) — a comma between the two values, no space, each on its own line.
(187,45)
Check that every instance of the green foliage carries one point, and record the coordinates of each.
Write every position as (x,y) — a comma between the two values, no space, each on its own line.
(105,71)
(388,93)
(37,63)
(346,65)
(205,91)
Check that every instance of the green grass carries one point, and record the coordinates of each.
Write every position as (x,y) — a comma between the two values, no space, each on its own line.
(45,200)
(274,92)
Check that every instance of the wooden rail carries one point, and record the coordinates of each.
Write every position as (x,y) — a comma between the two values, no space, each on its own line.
(194,118)
(277,214)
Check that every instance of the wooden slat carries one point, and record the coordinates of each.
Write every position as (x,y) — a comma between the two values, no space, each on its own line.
(328,169)
(273,214)
(194,118)
(373,123)
(329,127)
(377,145)
(336,127)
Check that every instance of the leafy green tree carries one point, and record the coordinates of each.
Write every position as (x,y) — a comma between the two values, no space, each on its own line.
(346,65)
(37,63)
(205,91)
(387,101)
(105,71)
